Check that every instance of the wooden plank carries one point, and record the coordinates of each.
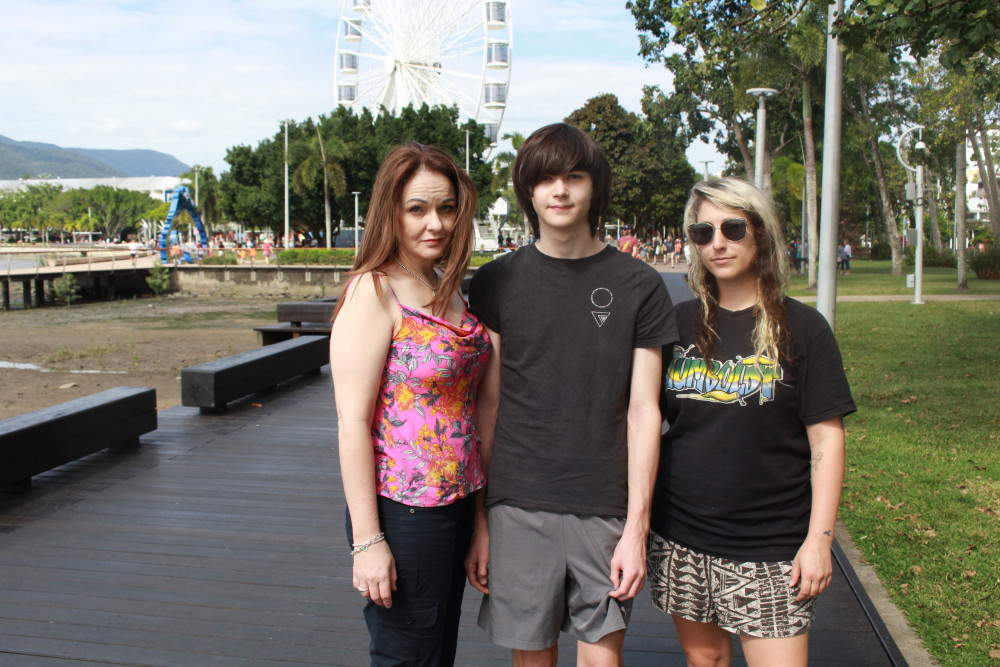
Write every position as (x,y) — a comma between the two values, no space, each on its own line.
(221,541)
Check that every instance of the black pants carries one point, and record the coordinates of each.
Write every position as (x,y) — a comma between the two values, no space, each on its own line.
(429,545)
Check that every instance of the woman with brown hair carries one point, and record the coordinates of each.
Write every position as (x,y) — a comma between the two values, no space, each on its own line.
(752,464)
(407,358)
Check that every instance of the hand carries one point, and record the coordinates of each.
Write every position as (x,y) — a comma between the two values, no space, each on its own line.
(477,562)
(375,574)
(812,569)
(628,566)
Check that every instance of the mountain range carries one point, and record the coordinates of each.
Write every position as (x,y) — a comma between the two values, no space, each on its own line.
(38,160)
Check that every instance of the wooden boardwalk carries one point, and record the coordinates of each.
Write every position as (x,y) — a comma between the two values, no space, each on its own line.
(220,541)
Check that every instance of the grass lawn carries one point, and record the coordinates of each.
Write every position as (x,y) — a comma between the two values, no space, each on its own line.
(922,490)
(875,278)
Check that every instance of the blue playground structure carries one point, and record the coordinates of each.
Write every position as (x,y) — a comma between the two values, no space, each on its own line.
(180,203)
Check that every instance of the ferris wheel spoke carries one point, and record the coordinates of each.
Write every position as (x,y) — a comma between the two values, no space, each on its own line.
(462,37)
(457,91)
(422,52)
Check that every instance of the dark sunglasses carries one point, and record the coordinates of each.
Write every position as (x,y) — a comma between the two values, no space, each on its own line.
(734,229)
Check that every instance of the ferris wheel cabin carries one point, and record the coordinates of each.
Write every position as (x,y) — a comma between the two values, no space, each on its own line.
(496,15)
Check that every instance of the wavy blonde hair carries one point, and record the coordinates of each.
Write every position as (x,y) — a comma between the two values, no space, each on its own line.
(770,264)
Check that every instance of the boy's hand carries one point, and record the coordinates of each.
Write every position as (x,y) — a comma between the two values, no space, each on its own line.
(628,566)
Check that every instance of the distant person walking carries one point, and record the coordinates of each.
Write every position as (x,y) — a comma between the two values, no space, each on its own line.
(627,243)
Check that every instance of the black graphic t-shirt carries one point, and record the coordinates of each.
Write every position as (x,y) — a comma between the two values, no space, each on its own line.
(734,477)
(568,328)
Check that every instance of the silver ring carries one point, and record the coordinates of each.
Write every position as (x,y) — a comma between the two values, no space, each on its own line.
(363,590)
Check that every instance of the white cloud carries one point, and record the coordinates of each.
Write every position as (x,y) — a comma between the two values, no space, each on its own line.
(195,78)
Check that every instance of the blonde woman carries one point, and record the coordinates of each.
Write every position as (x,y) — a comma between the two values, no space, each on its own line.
(752,463)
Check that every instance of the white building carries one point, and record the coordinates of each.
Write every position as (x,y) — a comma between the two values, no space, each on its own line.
(155,186)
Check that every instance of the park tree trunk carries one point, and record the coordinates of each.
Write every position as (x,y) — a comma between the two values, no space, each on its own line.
(812,214)
(963,271)
(987,173)
(734,125)
(930,196)
(888,215)
(326,187)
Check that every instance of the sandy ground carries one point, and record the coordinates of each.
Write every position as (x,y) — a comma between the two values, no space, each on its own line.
(142,343)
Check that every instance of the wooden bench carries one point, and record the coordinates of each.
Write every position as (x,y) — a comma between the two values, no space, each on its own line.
(297,318)
(212,385)
(44,439)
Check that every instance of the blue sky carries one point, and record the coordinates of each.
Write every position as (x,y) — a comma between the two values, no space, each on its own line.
(195,78)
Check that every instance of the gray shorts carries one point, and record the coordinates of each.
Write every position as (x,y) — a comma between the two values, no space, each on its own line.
(745,598)
(550,572)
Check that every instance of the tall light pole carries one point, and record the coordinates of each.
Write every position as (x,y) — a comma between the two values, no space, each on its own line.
(918,208)
(706,163)
(467,152)
(355,222)
(829,216)
(761,94)
(197,169)
(287,224)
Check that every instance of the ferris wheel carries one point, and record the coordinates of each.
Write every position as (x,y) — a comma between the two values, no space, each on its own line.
(393,53)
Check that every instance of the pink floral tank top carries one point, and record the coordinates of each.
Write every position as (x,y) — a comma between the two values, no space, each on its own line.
(423,430)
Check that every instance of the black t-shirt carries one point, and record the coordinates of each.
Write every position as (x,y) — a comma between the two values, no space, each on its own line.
(734,477)
(568,328)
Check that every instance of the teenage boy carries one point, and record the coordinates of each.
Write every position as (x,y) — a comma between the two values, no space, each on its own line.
(568,414)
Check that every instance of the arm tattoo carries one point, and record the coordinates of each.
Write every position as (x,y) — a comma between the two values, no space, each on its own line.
(828,532)
(816,459)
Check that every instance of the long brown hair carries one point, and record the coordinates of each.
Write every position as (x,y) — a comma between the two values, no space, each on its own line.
(378,245)
(770,266)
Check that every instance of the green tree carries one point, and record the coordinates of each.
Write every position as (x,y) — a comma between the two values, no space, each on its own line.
(206,195)
(875,92)
(960,29)
(66,288)
(716,51)
(650,174)
(253,189)
(325,159)
(502,184)
(118,210)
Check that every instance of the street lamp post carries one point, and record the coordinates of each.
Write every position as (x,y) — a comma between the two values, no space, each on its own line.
(706,163)
(918,255)
(197,169)
(287,224)
(355,222)
(761,94)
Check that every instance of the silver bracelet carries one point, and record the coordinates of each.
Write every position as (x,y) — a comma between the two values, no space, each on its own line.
(363,546)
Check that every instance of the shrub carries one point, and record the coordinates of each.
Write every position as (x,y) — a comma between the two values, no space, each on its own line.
(944,259)
(317,256)
(158,279)
(880,251)
(986,264)
(66,288)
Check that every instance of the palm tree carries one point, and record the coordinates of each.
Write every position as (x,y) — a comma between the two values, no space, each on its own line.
(325,156)
(503,163)
(503,166)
